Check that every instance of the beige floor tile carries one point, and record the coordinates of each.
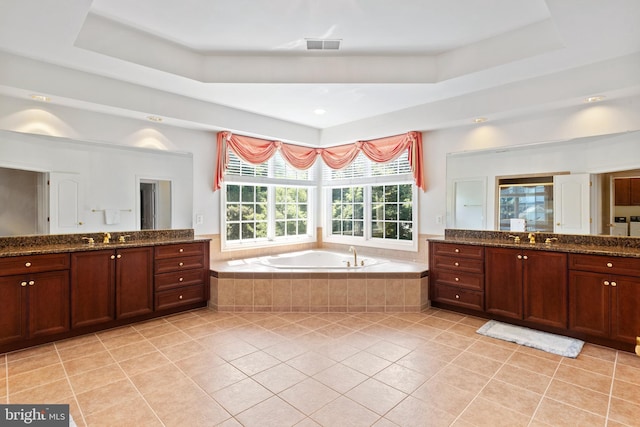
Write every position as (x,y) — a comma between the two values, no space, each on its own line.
(491,351)
(443,396)
(479,364)
(132,350)
(344,412)
(273,412)
(628,359)
(170,339)
(133,337)
(413,412)
(218,377)
(36,361)
(309,396)
(388,351)
(512,397)
(96,378)
(423,363)
(231,350)
(35,378)
(628,373)
(580,397)
(81,350)
(199,363)
(401,378)
(625,412)
(279,378)
(241,396)
(286,350)
(146,362)
(523,378)
(182,351)
(555,413)
(340,377)
(53,392)
(366,363)
(30,352)
(110,396)
(626,391)
(165,376)
(376,396)
(586,379)
(88,363)
(591,364)
(75,341)
(310,363)
(134,412)
(337,350)
(461,378)
(533,363)
(254,363)
(484,412)
(599,352)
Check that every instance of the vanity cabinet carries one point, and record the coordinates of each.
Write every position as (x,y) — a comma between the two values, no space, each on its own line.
(181,274)
(34,291)
(110,284)
(456,275)
(604,295)
(527,285)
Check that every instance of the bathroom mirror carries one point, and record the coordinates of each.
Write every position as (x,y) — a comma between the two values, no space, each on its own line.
(52,185)
(604,158)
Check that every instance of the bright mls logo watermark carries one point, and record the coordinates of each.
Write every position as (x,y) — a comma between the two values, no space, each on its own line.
(34,415)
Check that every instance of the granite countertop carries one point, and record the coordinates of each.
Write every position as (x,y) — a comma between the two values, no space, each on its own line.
(50,244)
(578,244)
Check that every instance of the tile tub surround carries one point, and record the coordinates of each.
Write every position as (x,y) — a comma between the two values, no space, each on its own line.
(319,292)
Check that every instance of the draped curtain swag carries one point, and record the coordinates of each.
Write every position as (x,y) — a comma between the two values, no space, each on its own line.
(257,151)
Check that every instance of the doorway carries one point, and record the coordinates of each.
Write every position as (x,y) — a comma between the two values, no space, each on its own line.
(155,204)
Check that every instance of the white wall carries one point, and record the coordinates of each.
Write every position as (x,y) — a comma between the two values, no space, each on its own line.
(605,118)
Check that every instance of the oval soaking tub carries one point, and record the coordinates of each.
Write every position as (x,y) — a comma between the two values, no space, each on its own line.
(316,259)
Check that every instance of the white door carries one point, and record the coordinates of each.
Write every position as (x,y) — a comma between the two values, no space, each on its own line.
(571,204)
(64,203)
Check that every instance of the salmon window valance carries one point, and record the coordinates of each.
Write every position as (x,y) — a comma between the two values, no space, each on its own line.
(257,151)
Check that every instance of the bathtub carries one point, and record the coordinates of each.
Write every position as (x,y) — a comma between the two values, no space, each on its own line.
(318,281)
(317,260)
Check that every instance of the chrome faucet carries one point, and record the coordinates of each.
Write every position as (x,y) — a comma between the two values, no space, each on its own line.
(355,255)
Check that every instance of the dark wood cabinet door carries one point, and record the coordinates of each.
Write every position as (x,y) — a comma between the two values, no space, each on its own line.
(48,295)
(134,282)
(589,300)
(92,287)
(13,313)
(545,288)
(625,312)
(622,191)
(503,282)
(634,191)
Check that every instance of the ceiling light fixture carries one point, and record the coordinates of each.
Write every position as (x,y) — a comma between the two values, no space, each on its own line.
(40,98)
(319,111)
(155,119)
(480,120)
(594,98)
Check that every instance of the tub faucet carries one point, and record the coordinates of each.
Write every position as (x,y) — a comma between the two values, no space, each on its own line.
(355,255)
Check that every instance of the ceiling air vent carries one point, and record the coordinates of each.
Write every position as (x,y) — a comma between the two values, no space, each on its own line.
(323,44)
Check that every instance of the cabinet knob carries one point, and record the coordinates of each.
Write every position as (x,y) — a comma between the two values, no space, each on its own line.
(181,279)
(27,264)
(181,250)
(457,296)
(609,265)
(614,284)
(456,264)
(457,279)
(525,257)
(181,264)
(23,284)
(519,256)
(457,250)
(31,283)
(112,257)
(180,297)
(119,256)
(606,283)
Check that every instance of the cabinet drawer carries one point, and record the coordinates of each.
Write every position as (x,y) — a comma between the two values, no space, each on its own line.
(605,264)
(33,264)
(180,296)
(178,279)
(466,251)
(457,296)
(179,250)
(450,263)
(179,264)
(463,280)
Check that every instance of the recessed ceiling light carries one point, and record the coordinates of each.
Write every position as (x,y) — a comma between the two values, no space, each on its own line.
(480,120)
(40,98)
(155,119)
(319,111)
(594,98)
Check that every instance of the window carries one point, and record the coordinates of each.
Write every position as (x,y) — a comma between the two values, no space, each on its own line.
(528,198)
(371,204)
(266,204)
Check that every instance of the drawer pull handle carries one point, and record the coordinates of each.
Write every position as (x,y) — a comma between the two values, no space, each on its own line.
(457,296)
(180,297)
(181,250)
(457,250)
(606,283)
(457,279)
(27,264)
(31,283)
(456,264)
(112,257)
(519,256)
(181,279)
(614,284)
(181,264)
(23,284)
(609,265)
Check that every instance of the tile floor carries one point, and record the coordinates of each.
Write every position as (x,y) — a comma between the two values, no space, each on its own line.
(204,368)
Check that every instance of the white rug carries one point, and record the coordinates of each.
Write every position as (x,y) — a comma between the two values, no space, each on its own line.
(551,343)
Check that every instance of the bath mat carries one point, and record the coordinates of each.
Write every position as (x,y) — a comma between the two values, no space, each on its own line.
(551,343)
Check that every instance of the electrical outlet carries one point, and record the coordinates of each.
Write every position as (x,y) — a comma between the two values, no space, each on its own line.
(199,219)
(439,219)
